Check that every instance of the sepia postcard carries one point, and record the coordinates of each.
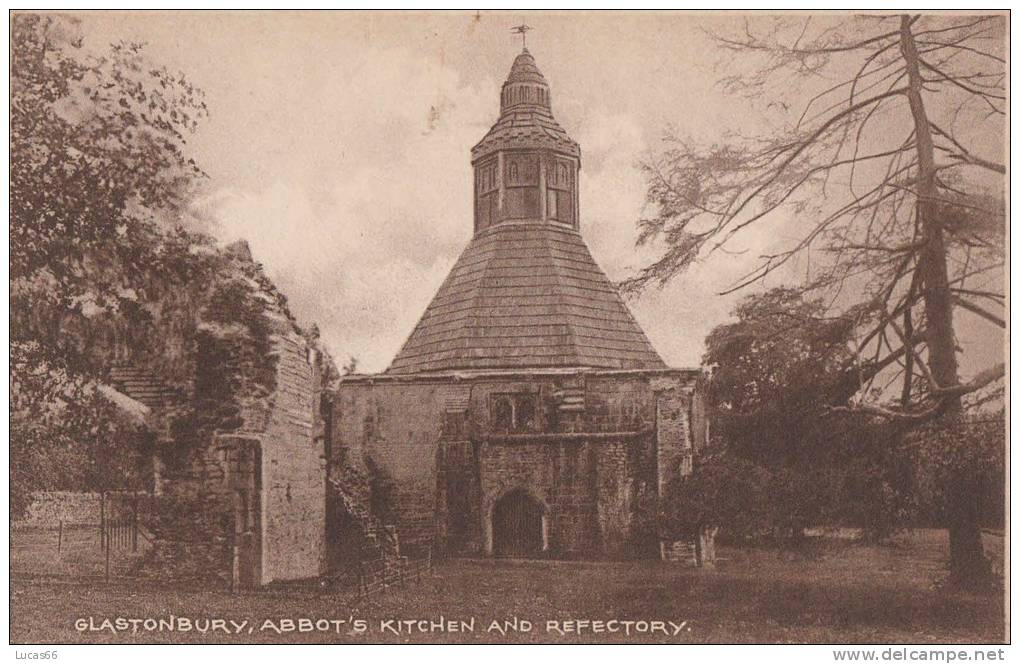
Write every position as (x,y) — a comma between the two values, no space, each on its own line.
(510,327)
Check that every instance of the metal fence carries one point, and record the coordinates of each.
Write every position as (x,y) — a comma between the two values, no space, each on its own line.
(378,575)
(102,550)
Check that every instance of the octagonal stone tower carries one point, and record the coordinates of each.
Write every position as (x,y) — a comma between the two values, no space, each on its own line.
(526,292)
(527,415)
(526,166)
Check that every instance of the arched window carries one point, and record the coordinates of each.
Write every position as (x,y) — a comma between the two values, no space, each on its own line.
(513,171)
(503,413)
(514,413)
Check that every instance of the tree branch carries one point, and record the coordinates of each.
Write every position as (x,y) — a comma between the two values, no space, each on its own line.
(966,155)
(973,308)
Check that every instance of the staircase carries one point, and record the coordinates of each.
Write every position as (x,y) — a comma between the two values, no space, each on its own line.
(381,545)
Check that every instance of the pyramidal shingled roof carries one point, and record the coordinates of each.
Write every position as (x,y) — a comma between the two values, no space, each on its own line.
(526,295)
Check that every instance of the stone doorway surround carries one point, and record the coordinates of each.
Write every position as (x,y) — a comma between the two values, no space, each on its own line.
(517,525)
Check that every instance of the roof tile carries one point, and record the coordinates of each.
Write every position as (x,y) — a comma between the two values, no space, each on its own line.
(526,295)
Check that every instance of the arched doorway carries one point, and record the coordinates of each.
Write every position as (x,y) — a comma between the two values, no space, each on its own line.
(517,526)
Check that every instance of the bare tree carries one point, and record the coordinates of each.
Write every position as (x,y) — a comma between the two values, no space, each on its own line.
(890,167)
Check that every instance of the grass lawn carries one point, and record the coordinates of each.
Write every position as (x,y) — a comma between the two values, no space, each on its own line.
(842,593)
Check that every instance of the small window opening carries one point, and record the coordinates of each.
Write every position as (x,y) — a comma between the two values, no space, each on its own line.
(514,413)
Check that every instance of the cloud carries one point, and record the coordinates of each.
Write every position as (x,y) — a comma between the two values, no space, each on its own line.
(338,145)
(361,245)
(362,254)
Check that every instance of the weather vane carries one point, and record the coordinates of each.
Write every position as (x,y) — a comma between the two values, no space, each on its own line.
(522,30)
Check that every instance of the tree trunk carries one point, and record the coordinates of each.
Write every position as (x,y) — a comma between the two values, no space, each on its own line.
(968,566)
(967,561)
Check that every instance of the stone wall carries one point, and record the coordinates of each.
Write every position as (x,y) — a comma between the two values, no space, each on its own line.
(674,448)
(248,507)
(49,508)
(293,470)
(586,488)
(594,454)
(392,431)
(206,507)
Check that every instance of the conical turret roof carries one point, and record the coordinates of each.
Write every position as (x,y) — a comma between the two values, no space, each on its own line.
(524,70)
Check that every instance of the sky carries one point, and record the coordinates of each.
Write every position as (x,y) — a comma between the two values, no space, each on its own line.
(338,145)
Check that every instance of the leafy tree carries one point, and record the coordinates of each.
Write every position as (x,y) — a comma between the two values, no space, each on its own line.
(724,490)
(99,183)
(81,442)
(962,467)
(107,268)
(885,165)
(776,372)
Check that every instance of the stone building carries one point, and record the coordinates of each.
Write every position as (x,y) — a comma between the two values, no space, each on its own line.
(238,486)
(252,499)
(527,414)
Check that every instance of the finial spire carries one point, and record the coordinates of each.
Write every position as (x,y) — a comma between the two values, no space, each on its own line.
(522,30)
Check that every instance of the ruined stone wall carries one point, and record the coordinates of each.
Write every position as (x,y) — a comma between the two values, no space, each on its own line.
(248,507)
(293,470)
(674,442)
(205,507)
(700,426)
(681,425)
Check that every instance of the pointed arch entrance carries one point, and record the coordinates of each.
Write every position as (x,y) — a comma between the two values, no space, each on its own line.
(519,527)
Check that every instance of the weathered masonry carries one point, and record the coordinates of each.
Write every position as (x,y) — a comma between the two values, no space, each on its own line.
(248,506)
(527,414)
(238,491)
(554,462)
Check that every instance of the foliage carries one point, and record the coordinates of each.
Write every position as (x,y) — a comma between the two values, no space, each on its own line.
(724,490)
(97,144)
(785,457)
(80,441)
(777,372)
(968,452)
(891,190)
(98,168)
(752,500)
(104,266)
